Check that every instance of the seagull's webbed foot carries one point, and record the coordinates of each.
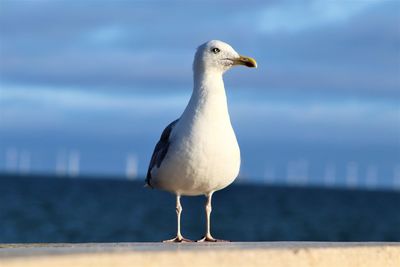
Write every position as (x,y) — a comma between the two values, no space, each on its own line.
(178,239)
(211,239)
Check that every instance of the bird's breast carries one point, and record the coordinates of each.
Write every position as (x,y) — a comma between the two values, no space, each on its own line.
(203,158)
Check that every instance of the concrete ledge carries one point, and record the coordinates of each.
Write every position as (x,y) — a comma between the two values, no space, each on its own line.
(274,254)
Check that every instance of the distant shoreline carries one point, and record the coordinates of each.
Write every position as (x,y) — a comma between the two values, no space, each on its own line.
(240,183)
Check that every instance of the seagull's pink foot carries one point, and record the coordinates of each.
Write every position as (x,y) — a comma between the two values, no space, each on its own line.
(178,239)
(211,239)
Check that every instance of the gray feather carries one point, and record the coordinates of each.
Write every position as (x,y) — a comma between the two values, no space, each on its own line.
(160,151)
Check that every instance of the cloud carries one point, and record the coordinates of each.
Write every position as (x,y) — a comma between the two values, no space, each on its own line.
(319,120)
(101,113)
(342,47)
(296,16)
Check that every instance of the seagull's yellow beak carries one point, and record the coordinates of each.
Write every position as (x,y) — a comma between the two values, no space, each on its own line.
(246,61)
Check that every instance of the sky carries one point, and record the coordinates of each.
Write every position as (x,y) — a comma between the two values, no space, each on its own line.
(101,79)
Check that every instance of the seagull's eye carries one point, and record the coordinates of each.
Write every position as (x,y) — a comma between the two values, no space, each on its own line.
(215,50)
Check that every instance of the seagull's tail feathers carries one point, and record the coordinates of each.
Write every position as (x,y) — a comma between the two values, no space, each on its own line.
(147,182)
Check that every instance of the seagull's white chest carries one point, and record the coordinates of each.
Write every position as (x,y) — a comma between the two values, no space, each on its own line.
(203,155)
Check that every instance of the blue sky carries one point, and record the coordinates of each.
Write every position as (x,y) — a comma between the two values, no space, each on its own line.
(105,77)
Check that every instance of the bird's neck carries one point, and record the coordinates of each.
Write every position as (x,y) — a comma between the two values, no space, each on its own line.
(208,84)
(208,100)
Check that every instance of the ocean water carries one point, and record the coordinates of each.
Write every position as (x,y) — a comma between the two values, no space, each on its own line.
(51,209)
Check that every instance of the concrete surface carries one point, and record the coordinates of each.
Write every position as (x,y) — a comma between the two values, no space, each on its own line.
(274,254)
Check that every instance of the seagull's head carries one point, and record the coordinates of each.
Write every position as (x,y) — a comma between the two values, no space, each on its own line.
(219,56)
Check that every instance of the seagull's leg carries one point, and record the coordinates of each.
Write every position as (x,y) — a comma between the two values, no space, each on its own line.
(179,237)
(208,237)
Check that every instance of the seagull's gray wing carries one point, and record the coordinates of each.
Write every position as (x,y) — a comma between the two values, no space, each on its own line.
(160,151)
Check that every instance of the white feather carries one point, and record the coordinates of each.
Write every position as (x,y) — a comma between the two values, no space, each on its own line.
(203,155)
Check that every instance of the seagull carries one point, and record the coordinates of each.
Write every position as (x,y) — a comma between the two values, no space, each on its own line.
(198,153)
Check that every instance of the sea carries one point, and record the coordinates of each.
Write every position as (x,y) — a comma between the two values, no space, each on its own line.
(52,209)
